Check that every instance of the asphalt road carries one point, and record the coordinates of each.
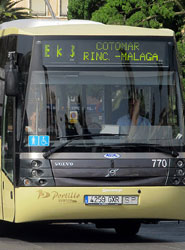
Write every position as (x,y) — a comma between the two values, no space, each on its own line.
(165,235)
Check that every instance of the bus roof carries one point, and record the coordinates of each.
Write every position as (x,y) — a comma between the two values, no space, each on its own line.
(36,27)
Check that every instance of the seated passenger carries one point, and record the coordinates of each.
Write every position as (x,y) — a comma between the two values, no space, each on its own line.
(120,111)
(133,118)
(31,128)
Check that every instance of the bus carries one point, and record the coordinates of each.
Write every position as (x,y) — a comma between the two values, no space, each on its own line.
(70,148)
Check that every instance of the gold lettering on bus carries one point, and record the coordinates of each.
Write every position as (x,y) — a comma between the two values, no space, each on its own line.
(56,196)
(43,194)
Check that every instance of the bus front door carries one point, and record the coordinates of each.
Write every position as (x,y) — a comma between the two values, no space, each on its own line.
(8,155)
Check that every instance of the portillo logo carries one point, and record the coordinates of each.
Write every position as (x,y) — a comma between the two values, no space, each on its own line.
(60,197)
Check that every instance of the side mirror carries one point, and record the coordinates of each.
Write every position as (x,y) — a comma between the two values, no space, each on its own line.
(11,82)
(11,77)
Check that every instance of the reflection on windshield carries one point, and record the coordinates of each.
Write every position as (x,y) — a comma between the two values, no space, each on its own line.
(141,104)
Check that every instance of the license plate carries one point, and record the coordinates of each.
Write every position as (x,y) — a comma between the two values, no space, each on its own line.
(103,200)
(111,200)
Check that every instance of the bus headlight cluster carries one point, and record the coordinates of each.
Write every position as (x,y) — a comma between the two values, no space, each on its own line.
(179,174)
(35,172)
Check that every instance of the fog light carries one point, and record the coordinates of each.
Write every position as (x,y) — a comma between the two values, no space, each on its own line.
(180,163)
(42,182)
(176,181)
(27,182)
(179,172)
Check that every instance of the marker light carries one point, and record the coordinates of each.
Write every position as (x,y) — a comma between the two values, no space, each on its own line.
(180,163)
(36,164)
(179,172)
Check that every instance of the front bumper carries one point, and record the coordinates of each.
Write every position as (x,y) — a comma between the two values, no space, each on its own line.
(67,203)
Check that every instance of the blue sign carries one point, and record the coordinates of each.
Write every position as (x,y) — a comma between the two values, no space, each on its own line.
(36,140)
(33,140)
(44,140)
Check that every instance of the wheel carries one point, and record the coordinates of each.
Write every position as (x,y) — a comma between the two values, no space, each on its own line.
(5,228)
(128,228)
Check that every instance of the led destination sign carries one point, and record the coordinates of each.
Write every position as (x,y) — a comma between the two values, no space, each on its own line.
(56,52)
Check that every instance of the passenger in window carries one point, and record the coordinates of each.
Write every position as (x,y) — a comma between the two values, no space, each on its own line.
(120,111)
(31,128)
(133,118)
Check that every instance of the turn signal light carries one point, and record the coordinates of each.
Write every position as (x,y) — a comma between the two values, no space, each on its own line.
(180,163)
(27,182)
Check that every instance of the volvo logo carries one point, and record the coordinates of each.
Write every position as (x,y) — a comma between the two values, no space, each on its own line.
(112,155)
(112,172)
(64,164)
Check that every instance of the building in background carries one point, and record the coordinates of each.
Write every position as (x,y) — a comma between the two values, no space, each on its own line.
(39,9)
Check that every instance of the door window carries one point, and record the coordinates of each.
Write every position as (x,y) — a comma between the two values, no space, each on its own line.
(7,143)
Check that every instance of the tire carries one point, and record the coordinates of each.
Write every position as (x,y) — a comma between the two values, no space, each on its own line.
(127,229)
(5,228)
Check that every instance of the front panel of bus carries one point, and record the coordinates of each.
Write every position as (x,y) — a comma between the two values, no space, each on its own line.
(79,154)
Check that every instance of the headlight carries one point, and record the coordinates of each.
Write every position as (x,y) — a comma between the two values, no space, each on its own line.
(36,164)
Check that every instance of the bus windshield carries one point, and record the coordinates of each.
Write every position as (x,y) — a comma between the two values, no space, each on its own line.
(62,104)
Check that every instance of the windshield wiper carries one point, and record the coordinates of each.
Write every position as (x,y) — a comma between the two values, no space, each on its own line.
(157,147)
(76,137)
